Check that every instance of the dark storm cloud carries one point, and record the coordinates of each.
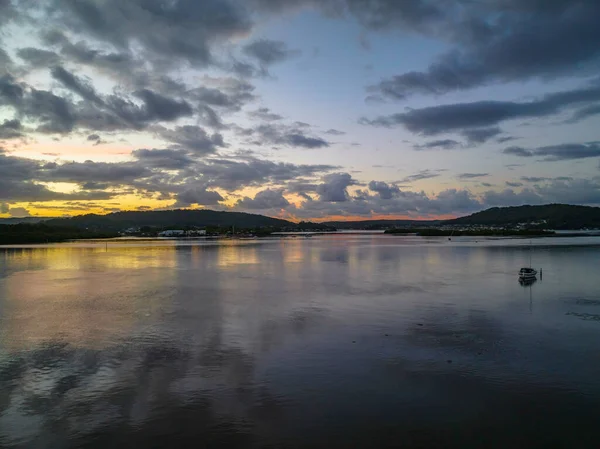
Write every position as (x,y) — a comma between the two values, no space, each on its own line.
(186,27)
(464,176)
(481,135)
(446,144)
(11,129)
(268,52)
(264,200)
(567,151)
(481,114)
(334,188)
(503,41)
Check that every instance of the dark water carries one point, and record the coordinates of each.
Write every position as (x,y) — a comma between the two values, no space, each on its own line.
(369,341)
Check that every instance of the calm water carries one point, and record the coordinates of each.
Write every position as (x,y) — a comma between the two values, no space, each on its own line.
(349,341)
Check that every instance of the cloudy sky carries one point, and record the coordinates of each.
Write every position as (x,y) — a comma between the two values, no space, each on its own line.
(303,109)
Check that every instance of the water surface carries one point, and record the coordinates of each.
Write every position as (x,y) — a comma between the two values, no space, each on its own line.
(334,341)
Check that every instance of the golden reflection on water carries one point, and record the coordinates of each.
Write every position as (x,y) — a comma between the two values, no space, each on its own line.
(82,296)
(231,254)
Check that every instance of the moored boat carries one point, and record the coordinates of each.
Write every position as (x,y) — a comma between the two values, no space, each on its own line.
(527,273)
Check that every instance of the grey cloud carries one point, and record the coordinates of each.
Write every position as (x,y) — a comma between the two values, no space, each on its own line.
(505,139)
(300,140)
(198,195)
(423,174)
(575,191)
(288,135)
(88,171)
(446,144)
(163,158)
(93,137)
(527,39)
(335,187)
(268,52)
(11,92)
(38,58)
(509,197)
(464,116)
(301,187)
(518,151)
(234,174)
(54,113)
(514,184)
(163,108)
(465,176)
(335,132)
(264,200)
(11,129)
(264,114)
(534,178)
(186,28)
(481,135)
(193,138)
(4,208)
(18,178)
(585,113)
(385,190)
(210,118)
(567,151)
(416,204)
(84,89)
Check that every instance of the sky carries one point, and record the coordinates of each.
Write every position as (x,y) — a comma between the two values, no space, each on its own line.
(299,109)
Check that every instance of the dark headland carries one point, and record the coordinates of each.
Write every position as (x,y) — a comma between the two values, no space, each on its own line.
(505,221)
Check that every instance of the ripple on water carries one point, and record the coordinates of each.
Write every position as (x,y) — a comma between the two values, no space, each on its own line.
(585,316)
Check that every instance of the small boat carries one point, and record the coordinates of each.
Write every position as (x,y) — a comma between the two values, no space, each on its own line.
(527,274)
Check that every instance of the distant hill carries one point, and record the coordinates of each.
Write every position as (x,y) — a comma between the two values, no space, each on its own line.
(378,224)
(30,220)
(550,216)
(169,218)
(41,233)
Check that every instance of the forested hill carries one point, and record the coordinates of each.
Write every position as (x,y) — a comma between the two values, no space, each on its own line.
(550,216)
(169,218)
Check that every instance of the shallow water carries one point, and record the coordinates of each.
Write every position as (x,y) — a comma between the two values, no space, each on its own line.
(334,341)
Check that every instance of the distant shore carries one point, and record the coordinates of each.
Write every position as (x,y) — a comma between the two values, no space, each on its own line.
(432,232)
